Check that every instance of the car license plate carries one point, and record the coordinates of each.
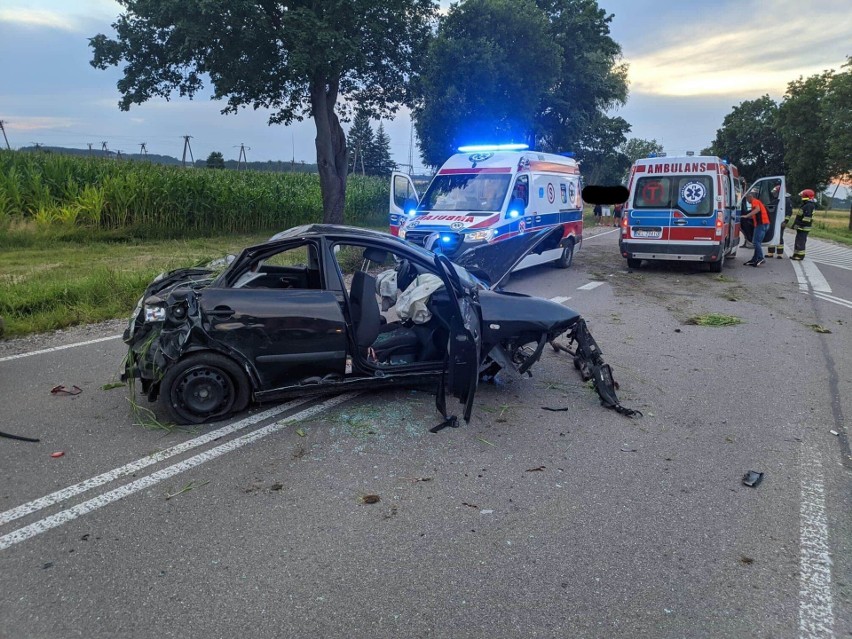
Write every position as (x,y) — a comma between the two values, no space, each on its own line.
(652,233)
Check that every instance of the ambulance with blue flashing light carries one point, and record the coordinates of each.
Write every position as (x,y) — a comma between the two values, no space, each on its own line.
(487,194)
(682,209)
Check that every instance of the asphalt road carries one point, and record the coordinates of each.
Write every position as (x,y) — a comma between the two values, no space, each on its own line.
(523,523)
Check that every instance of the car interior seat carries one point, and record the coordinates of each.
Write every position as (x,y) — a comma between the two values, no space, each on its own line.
(387,341)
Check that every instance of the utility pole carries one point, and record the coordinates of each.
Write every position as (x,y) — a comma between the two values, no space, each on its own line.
(293,157)
(186,147)
(243,160)
(118,155)
(4,135)
(37,146)
(104,149)
(143,150)
(90,148)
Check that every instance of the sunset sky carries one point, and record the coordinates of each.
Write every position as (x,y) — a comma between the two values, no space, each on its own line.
(690,62)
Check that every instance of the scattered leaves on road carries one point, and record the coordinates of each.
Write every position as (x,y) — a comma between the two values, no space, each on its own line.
(714,319)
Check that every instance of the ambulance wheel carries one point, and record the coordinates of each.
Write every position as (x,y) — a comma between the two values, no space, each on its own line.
(632,262)
(567,257)
(716,267)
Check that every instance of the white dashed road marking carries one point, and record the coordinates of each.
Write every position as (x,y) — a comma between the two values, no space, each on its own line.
(64,516)
(59,348)
(559,299)
(589,286)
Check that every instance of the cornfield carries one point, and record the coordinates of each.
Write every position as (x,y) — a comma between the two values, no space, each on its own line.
(52,190)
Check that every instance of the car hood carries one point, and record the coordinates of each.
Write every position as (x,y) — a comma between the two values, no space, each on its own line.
(492,262)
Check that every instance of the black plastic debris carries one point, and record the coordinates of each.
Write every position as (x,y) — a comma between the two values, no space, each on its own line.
(19,438)
(752,478)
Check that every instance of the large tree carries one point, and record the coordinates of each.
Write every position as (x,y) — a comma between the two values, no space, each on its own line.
(750,139)
(592,79)
(837,110)
(484,77)
(297,58)
(804,129)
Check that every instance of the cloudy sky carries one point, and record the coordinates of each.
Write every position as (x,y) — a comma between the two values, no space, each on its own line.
(690,62)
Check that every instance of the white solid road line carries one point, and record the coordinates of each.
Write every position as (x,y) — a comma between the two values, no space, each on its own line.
(559,299)
(816,608)
(59,348)
(811,280)
(815,277)
(64,516)
(128,469)
(834,300)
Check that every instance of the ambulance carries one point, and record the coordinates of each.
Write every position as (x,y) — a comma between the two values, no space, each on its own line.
(675,201)
(682,209)
(488,194)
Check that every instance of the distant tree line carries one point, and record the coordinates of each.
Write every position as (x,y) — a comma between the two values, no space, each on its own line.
(807,136)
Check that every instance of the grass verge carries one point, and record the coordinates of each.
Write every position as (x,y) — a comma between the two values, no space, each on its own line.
(53,284)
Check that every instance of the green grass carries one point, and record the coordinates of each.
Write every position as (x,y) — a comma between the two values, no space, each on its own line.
(714,319)
(832,224)
(59,284)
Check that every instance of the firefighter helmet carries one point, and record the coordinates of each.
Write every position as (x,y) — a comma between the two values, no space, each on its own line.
(807,194)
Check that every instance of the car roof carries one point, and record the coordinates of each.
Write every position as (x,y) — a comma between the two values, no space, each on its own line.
(314,230)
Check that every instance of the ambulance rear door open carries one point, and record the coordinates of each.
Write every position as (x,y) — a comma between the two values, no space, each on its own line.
(775,206)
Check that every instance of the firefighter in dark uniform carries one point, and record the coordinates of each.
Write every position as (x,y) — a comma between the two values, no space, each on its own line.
(778,249)
(802,223)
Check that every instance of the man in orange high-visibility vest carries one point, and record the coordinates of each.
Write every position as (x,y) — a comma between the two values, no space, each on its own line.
(761,223)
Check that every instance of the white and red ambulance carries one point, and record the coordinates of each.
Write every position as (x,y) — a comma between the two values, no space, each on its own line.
(683,209)
(487,194)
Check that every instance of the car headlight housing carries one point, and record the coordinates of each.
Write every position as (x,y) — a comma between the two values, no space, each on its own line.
(485,235)
(401,233)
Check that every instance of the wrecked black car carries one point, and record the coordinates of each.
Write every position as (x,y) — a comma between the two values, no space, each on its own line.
(326,309)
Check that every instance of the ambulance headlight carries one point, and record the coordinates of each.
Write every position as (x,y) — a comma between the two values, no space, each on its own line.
(401,234)
(411,212)
(485,235)
(446,239)
(514,213)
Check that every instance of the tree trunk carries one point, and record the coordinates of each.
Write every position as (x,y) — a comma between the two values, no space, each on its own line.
(331,148)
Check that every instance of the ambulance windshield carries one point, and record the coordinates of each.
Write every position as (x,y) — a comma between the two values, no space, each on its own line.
(470,192)
(692,194)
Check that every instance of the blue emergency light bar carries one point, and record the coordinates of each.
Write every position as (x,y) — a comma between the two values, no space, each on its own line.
(476,148)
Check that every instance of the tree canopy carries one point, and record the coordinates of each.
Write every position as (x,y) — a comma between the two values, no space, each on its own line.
(297,58)
(484,76)
(544,72)
(369,152)
(807,136)
(750,139)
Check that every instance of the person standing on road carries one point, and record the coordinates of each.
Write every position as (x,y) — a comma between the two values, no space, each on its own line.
(617,211)
(597,211)
(761,223)
(802,223)
(778,249)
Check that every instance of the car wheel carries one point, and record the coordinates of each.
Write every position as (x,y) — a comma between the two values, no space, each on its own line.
(632,262)
(204,387)
(567,257)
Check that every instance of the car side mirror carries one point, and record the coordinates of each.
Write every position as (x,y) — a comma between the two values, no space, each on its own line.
(516,208)
(409,207)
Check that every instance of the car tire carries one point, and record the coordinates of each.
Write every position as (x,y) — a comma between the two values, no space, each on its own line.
(567,257)
(204,387)
(632,262)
